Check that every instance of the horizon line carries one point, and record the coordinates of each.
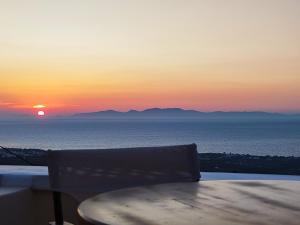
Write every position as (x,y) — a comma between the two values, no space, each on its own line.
(20,114)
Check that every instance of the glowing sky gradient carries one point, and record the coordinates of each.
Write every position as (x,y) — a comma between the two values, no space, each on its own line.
(76,56)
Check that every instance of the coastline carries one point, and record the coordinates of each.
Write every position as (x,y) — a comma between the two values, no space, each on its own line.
(209,162)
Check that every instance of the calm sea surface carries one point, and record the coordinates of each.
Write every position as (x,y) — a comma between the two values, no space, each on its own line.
(254,137)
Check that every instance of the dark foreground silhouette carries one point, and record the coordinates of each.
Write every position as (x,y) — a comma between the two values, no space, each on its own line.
(209,162)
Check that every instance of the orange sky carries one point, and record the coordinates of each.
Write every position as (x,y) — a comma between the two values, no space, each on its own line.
(92,55)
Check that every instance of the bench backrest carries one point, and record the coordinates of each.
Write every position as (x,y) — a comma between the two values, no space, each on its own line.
(83,173)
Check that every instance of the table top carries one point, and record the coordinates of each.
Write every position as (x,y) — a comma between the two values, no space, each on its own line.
(206,202)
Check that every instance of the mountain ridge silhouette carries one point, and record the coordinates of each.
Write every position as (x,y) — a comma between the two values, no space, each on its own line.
(180,112)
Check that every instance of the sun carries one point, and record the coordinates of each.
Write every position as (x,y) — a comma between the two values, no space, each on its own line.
(39,108)
(41,113)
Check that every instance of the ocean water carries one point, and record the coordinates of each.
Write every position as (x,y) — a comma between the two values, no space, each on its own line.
(246,137)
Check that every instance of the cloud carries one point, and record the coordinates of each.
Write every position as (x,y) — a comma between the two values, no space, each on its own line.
(12,105)
(2,103)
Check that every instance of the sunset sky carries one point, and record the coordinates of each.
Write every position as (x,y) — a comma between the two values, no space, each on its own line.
(78,56)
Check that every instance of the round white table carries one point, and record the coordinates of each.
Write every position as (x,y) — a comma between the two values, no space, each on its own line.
(206,202)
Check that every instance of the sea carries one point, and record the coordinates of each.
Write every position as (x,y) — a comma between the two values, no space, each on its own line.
(255,137)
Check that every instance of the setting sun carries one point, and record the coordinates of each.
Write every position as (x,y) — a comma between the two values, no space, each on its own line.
(41,113)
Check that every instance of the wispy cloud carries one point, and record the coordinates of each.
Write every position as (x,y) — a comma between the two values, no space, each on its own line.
(13,105)
(3,103)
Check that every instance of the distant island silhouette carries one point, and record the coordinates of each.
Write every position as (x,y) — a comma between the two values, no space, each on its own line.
(182,113)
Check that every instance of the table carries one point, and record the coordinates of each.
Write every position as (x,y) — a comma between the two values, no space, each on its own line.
(206,202)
